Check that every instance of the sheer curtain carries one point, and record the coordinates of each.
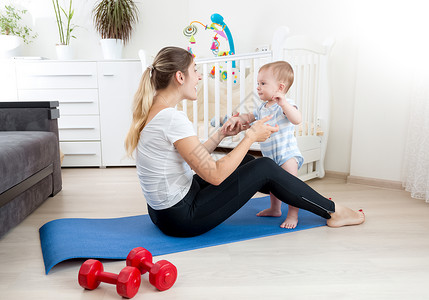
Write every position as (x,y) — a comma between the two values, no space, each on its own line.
(416,156)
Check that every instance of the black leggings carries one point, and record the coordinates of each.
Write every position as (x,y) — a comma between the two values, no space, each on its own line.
(206,206)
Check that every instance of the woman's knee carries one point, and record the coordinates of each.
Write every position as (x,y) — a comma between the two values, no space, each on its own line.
(266,163)
(247,158)
(269,169)
(261,168)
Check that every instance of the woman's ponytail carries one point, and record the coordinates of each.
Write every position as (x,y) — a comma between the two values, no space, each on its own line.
(143,100)
(156,77)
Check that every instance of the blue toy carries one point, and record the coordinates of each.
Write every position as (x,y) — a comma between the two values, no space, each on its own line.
(218,19)
(191,30)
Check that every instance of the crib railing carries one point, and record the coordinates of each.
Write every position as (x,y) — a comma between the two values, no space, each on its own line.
(247,99)
(309,91)
(305,91)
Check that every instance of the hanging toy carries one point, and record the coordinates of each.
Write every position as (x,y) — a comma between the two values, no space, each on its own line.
(212,72)
(221,30)
(190,51)
(190,30)
(215,46)
(223,75)
(222,34)
(218,19)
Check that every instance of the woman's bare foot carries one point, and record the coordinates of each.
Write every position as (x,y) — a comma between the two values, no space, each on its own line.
(344,216)
(291,219)
(270,212)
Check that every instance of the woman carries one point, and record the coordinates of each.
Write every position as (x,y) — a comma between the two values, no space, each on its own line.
(182,204)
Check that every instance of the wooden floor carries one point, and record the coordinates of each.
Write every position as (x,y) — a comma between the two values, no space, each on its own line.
(385,258)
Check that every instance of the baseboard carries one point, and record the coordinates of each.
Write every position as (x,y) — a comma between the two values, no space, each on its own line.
(336,175)
(390,184)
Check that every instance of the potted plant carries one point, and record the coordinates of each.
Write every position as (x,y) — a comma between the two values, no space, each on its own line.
(12,32)
(114,21)
(63,48)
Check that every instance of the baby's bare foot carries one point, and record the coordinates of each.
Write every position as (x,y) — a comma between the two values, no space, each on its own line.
(291,219)
(344,216)
(269,212)
(290,222)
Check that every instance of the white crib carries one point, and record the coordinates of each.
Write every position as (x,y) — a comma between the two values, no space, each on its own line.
(219,96)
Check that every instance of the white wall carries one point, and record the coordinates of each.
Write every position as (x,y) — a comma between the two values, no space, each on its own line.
(157,27)
(391,49)
(369,109)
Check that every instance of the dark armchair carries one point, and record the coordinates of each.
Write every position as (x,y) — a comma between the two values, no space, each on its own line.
(30,169)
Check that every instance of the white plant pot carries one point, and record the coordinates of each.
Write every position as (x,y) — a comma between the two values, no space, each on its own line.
(64,52)
(10,46)
(112,48)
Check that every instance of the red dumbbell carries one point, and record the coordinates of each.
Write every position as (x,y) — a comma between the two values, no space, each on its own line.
(162,274)
(91,274)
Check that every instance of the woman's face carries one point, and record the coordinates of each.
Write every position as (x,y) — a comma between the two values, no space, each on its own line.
(191,82)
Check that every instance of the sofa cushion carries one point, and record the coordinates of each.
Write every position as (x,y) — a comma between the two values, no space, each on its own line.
(23,153)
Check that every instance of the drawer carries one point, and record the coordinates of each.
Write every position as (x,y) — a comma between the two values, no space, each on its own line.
(56,75)
(79,128)
(81,154)
(72,101)
(7,80)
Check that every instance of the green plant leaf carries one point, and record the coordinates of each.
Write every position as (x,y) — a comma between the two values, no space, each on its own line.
(115,18)
(65,28)
(10,24)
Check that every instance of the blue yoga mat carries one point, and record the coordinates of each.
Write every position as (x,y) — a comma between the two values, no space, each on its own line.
(65,239)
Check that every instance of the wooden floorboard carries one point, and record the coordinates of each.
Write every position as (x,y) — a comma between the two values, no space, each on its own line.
(385,258)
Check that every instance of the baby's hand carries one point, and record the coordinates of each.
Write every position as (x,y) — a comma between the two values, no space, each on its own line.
(279,97)
(230,125)
(234,125)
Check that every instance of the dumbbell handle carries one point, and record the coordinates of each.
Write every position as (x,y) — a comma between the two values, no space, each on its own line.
(147,265)
(107,277)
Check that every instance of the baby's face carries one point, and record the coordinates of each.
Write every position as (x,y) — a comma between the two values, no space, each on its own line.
(267,85)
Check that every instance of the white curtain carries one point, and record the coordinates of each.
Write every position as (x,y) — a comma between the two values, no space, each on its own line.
(416,159)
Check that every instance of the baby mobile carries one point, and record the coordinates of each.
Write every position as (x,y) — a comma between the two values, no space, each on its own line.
(221,30)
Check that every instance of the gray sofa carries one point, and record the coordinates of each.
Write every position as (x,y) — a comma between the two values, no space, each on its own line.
(30,169)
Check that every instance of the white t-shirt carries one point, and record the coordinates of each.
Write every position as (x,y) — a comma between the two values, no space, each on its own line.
(164,175)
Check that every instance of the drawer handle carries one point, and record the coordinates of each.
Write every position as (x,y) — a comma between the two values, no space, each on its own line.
(61,75)
(78,128)
(110,75)
(78,154)
(76,101)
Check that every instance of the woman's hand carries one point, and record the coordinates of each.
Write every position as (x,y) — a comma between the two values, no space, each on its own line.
(215,171)
(260,131)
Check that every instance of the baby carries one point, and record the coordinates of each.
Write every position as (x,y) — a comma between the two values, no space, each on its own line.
(274,80)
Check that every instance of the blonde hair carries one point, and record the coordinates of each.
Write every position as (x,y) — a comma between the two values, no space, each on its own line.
(282,71)
(156,77)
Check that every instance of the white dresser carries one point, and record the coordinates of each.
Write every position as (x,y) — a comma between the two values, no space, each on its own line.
(95,105)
